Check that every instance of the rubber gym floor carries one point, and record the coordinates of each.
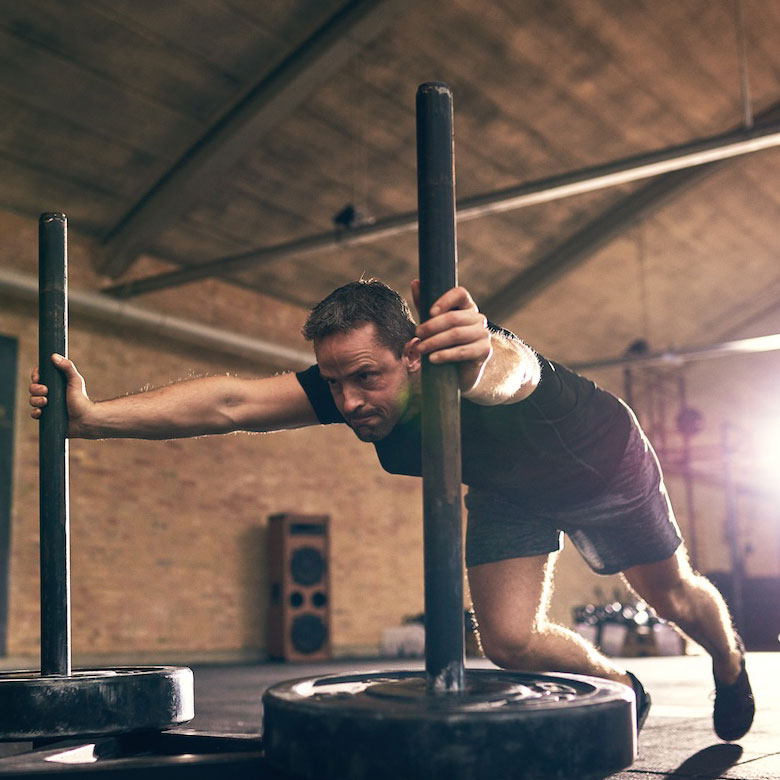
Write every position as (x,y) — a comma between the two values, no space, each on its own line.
(676,742)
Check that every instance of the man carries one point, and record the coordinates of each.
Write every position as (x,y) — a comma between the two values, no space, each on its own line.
(544,451)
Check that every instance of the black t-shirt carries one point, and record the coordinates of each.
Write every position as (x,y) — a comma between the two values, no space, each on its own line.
(559,446)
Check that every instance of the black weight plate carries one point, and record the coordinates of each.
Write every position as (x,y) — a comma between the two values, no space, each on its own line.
(94,701)
(149,756)
(385,726)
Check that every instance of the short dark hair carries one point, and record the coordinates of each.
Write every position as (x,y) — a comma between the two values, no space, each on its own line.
(367,300)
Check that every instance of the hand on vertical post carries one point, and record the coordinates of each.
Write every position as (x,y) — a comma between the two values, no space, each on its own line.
(455,331)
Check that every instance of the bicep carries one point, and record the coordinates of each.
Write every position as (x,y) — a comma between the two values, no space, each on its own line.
(528,370)
(270,404)
(510,374)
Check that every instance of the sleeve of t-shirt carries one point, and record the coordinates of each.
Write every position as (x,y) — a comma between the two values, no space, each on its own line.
(551,391)
(319,395)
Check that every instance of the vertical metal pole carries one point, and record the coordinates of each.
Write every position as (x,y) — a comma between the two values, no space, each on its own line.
(736,602)
(687,434)
(53,445)
(628,381)
(442,528)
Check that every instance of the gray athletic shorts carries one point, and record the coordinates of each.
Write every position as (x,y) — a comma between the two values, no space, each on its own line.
(630,523)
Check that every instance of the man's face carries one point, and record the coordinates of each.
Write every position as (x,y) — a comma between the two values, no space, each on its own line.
(370,385)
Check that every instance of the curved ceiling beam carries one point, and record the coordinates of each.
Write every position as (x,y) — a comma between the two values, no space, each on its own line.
(147,321)
(678,357)
(678,164)
(356,24)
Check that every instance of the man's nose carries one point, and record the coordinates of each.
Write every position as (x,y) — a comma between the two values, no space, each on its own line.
(353,400)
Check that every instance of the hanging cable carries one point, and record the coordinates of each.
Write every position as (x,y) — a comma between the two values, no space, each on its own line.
(643,298)
(360,167)
(743,67)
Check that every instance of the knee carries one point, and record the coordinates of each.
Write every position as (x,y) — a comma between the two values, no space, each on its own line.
(508,649)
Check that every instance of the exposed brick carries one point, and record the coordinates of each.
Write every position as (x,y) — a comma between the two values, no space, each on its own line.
(168,538)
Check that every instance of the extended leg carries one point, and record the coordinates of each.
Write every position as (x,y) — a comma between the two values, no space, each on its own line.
(691,602)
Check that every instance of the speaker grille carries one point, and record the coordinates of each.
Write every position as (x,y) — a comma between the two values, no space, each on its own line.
(308,633)
(307,566)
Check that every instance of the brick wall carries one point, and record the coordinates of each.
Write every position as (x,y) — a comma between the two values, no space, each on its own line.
(168,538)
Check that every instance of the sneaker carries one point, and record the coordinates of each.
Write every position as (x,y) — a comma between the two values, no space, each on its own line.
(643,702)
(734,705)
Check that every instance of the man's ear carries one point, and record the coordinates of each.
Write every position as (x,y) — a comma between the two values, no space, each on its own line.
(411,355)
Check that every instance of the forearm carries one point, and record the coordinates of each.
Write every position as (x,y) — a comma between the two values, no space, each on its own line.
(510,373)
(191,408)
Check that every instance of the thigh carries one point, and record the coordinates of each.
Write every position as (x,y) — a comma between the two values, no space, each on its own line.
(510,596)
(652,581)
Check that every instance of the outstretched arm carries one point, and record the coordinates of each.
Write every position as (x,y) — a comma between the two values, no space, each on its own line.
(494,369)
(219,404)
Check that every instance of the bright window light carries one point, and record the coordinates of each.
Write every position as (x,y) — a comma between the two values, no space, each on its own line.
(766,452)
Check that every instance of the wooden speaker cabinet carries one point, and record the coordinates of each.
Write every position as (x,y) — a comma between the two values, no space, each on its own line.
(299,612)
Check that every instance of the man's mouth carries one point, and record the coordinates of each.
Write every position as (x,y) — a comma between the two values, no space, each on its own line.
(363,419)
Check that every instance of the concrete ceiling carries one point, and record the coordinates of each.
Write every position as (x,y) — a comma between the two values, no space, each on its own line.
(201,131)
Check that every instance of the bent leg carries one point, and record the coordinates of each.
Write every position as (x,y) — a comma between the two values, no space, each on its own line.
(690,601)
(511,599)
